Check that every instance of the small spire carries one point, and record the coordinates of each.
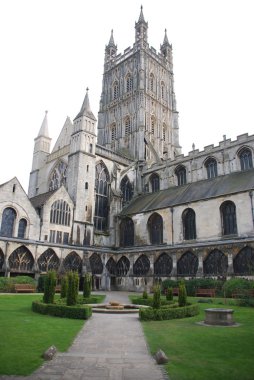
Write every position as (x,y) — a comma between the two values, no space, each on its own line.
(85,109)
(141,16)
(44,127)
(165,42)
(111,40)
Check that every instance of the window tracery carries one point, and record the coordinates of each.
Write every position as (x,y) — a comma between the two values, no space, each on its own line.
(187,265)
(141,266)
(155,228)
(58,176)
(246,159)
(127,232)
(101,199)
(181,175)
(154,182)
(211,168)
(21,260)
(216,263)
(60,213)
(126,189)
(163,265)
(8,222)
(189,224)
(48,260)
(228,215)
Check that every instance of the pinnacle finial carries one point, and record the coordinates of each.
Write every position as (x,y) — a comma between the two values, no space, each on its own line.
(87,89)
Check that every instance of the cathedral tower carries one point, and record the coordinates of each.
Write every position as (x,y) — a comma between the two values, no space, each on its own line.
(138,115)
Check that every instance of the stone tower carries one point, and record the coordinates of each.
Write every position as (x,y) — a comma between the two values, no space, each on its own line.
(81,172)
(137,115)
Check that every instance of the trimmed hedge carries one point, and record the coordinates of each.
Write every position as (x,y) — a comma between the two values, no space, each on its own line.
(63,311)
(149,301)
(195,283)
(7,283)
(168,313)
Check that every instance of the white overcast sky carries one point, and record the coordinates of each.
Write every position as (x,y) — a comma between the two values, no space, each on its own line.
(51,50)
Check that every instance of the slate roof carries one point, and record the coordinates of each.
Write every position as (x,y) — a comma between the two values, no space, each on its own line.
(195,191)
(39,200)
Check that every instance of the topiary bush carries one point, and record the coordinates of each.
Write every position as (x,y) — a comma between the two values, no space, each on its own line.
(145,295)
(182,296)
(49,287)
(64,286)
(72,290)
(63,311)
(157,297)
(152,314)
(87,285)
(169,294)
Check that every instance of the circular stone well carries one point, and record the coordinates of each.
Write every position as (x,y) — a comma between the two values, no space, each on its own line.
(219,317)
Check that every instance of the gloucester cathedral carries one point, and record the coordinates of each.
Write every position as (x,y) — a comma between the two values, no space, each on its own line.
(116,197)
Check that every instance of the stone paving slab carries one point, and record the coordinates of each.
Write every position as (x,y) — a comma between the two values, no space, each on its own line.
(109,347)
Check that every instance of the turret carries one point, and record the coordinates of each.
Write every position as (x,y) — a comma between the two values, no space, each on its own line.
(141,28)
(111,49)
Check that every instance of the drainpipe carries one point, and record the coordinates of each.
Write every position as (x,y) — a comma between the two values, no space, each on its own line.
(172,224)
(251,202)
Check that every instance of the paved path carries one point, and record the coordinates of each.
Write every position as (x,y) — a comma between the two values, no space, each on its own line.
(109,347)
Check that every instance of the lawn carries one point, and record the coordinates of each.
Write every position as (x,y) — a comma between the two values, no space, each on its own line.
(26,335)
(198,352)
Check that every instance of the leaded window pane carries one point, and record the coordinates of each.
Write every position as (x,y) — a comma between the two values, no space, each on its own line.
(126,189)
(163,265)
(187,265)
(228,212)
(111,266)
(181,176)
(60,213)
(246,159)
(21,260)
(122,266)
(58,176)
(101,199)
(155,182)
(48,260)
(127,232)
(189,224)
(8,220)
(211,167)
(96,264)
(129,83)
(216,263)
(244,262)
(155,227)
(72,262)
(22,228)
(141,266)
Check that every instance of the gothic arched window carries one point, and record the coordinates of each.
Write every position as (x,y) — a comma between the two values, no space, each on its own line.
(111,266)
(181,175)
(113,132)
(21,260)
(153,125)
(96,264)
(129,83)
(244,262)
(189,224)
(228,216)
(164,132)
(216,263)
(127,126)
(72,262)
(155,228)
(8,221)
(141,266)
(101,199)
(211,168)
(245,159)
(126,189)
(163,265)
(58,176)
(60,213)
(127,232)
(48,260)
(22,228)
(187,265)
(115,90)
(151,84)
(122,266)
(162,90)
(155,182)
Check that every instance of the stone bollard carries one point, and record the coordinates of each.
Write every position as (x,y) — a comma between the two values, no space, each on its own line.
(49,353)
(161,357)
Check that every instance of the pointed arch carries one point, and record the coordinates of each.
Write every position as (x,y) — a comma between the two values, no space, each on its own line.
(72,262)
(154,182)
(163,92)
(48,260)
(151,82)
(21,260)
(126,189)
(163,265)
(111,267)
(211,167)
(243,263)
(129,82)
(228,217)
(216,263)
(96,264)
(187,265)
(60,213)
(122,266)
(8,222)
(22,228)
(58,175)
(126,232)
(113,132)
(115,90)
(189,224)
(127,126)
(155,228)
(180,173)
(245,156)
(141,266)
(102,197)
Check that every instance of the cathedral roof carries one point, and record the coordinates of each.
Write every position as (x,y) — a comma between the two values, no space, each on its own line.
(65,135)
(85,109)
(192,192)
(39,200)
(44,127)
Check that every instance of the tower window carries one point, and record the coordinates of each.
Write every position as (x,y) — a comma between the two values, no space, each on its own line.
(101,200)
(211,167)
(181,175)
(245,159)
(86,185)
(151,82)
(129,83)
(113,132)
(127,126)
(115,90)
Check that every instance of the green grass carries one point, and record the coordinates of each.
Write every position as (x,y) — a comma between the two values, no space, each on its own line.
(198,352)
(26,335)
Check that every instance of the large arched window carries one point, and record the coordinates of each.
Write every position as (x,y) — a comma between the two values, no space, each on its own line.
(189,224)
(111,267)
(141,266)
(48,261)
(127,125)
(163,95)
(113,132)
(216,263)
(127,232)
(21,260)
(244,262)
(72,262)
(187,265)
(115,90)
(101,200)
(58,176)
(129,83)
(96,264)
(155,228)
(8,221)
(154,182)
(126,189)
(228,216)
(22,228)
(245,159)
(163,265)
(122,266)
(181,175)
(211,168)
(60,213)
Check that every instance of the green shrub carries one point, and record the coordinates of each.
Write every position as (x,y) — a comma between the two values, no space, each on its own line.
(41,284)
(152,314)
(63,311)
(7,283)
(72,290)
(49,287)
(87,285)
(145,295)
(149,301)
(235,284)
(64,286)
(169,294)
(182,296)
(157,297)
(193,284)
